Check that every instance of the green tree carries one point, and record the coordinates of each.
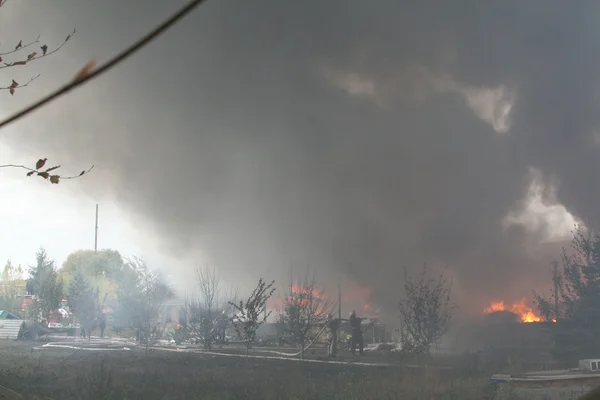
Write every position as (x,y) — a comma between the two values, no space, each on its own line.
(84,302)
(46,285)
(12,286)
(103,270)
(575,304)
(141,298)
(107,263)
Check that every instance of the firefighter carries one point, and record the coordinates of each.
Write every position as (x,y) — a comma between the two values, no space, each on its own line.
(223,320)
(357,336)
(102,323)
(333,325)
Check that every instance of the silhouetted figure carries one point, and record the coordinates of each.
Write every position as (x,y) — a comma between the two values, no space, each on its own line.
(333,325)
(357,335)
(102,323)
(29,287)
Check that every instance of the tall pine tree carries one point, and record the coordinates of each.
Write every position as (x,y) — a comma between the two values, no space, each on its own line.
(83,302)
(45,284)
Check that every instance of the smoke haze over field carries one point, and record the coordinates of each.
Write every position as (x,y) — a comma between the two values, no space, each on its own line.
(357,137)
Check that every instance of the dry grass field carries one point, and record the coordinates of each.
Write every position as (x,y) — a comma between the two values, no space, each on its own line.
(60,373)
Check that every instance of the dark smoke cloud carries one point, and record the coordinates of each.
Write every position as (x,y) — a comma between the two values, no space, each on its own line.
(348,135)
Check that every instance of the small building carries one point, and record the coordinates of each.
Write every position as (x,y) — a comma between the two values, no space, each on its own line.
(549,385)
(10,325)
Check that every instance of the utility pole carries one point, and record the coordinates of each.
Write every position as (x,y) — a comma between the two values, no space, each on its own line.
(96,232)
(339,300)
(555,280)
(339,324)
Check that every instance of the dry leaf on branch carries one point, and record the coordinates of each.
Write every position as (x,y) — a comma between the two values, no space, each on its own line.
(85,70)
(12,87)
(40,163)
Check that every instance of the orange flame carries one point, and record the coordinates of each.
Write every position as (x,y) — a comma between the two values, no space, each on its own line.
(301,291)
(521,309)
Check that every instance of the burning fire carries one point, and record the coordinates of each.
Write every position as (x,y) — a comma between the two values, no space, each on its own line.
(300,296)
(300,291)
(358,297)
(521,309)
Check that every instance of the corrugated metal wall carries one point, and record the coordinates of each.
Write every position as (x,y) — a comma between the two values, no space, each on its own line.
(9,328)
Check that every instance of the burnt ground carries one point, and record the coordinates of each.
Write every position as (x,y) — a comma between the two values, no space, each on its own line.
(60,373)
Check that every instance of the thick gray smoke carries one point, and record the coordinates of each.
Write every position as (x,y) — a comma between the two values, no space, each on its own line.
(355,136)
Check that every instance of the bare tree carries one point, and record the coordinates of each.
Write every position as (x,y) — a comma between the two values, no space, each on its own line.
(425,312)
(207,313)
(20,55)
(305,307)
(225,314)
(208,283)
(252,313)
(575,302)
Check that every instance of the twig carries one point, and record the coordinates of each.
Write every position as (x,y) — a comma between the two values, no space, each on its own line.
(22,85)
(17,49)
(37,57)
(35,171)
(108,65)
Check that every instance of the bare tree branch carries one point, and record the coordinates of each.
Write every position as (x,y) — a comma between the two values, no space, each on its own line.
(108,65)
(208,284)
(20,47)
(252,313)
(425,312)
(38,170)
(34,56)
(305,308)
(15,85)
(207,314)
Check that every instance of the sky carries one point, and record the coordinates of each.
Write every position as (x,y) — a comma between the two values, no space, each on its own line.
(36,215)
(357,139)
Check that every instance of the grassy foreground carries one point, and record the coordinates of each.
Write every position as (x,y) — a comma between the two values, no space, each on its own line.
(71,374)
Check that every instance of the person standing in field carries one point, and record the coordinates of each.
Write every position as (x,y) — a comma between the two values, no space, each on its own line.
(102,323)
(357,336)
(333,325)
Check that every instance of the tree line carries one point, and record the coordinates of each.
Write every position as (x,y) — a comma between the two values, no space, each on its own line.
(92,281)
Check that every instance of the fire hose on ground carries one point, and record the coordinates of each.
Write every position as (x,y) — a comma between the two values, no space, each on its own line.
(301,351)
(363,330)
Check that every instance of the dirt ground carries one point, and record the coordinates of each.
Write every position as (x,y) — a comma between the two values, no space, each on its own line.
(63,373)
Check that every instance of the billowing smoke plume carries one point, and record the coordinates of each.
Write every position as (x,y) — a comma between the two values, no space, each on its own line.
(358,137)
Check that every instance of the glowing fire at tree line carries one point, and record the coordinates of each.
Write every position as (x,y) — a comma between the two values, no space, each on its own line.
(300,295)
(521,309)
